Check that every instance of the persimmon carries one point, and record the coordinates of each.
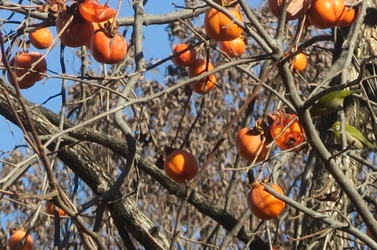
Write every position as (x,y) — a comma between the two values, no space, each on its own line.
(41,38)
(250,141)
(220,27)
(325,14)
(50,208)
(108,48)
(300,62)
(287,132)
(78,33)
(93,11)
(234,47)
(97,26)
(350,16)
(186,58)
(263,204)
(16,240)
(23,63)
(204,85)
(295,8)
(181,165)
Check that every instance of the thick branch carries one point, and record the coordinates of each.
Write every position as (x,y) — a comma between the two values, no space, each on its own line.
(148,19)
(76,157)
(82,161)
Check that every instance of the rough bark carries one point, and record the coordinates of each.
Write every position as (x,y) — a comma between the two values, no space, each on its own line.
(81,161)
(77,157)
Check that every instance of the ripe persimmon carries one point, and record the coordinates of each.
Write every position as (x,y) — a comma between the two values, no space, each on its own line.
(234,47)
(220,27)
(78,33)
(23,62)
(325,14)
(186,58)
(93,11)
(16,241)
(299,62)
(350,16)
(41,38)
(108,48)
(205,85)
(98,26)
(287,132)
(262,204)
(250,141)
(181,165)
(50,207)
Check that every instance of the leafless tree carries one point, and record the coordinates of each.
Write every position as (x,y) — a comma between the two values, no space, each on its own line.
(100,157)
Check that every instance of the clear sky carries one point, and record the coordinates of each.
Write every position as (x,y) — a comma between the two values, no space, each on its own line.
(156,46)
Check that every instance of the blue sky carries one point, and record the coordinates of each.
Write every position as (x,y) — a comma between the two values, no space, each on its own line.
(156,46)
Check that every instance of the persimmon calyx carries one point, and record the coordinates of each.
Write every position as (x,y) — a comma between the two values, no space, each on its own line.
(261,126)
(274,116)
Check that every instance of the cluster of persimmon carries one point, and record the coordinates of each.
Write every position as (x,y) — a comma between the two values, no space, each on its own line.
(30,67)
(218,27)
(87,24)
(225,30)
(19,240)
(322,14)
(253,145)
(92,24)
(182,166)
(283,129)
(185,56)
(221,28)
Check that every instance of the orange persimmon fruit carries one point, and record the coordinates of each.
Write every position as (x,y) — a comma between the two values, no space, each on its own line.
(50,207)
(181,166)
(234,47)
(204,85)
(41,38)
(186,58)
(299,62)
(287,132)
(23,62)
(350,16)
(109,48)
(220,27)
(325,14)
(251,141)
(263,204)
(78,32)
(93,11)
(16,242)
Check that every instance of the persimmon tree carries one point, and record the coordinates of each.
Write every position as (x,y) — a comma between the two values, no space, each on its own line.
(100,158)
